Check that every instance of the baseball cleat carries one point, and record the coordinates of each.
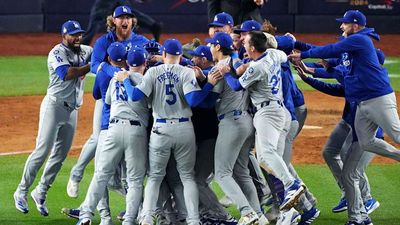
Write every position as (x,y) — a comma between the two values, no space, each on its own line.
(250,218)
(84,222)
(21,203)
(292,195)
(120,216)
(371,205)
(73,188)
(368,221)
(309,216)
(40,203)
(290,217)
(263,220)
(73,213)
(353,223)
(341,207)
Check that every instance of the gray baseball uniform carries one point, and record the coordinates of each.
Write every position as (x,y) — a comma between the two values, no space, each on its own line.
(233,146)
(263,81)
(89,149)
(58,117)
(166,86)
(127,137)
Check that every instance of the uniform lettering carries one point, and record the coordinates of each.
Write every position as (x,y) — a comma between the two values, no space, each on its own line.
(168,75)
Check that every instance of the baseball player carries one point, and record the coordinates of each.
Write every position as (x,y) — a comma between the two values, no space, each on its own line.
(67,64)
(120,29)
(205,125)
(173,89)
(116,55)
(223,22)
(367,85)
(234,139)
(335,149)
(263,81)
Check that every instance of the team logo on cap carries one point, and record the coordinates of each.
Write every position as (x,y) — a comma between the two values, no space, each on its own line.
(65,30)
(215,18)
(124,9)
(76,25)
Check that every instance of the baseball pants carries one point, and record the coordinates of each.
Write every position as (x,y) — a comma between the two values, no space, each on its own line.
(301,115)
(89,149)
(382,112)
(232,159)
(122,139)
(269,122)
(57,124)
(164,141)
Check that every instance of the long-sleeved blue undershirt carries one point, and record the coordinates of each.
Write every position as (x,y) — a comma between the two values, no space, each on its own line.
(233,83)
(62,71)
(193,98)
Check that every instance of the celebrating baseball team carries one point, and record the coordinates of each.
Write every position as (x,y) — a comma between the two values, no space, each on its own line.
(167,121)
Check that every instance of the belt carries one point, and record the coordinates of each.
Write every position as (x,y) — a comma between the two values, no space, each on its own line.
(132,122)
(180,120)
(267,103)
(234,113)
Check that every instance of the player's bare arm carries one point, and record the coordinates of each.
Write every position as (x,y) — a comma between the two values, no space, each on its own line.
(74,72)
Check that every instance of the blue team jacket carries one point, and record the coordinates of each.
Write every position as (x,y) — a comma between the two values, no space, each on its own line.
(99,54)
(366,78)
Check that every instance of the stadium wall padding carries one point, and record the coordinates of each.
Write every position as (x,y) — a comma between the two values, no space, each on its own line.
(303,16)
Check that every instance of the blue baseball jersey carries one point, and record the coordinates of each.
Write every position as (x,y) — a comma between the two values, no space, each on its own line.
(99,54)
(366,78)
(99,92)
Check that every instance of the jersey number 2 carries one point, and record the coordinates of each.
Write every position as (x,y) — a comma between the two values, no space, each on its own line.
(120,91)
(169,91)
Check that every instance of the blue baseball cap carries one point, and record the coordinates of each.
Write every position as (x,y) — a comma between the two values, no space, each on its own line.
(71,27)
(173,47)
(381,56)
(353,16)
(221,19)
(221,38)
(123,10)
(153,47)
(247,26)
(117,51)
(202,51)
(136,56)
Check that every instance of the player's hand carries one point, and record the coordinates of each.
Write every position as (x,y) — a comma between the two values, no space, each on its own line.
(295,57)
(214,77)
(198,72)
(324,63)
(223,69)
(121,75)
(305,68)
(300,72)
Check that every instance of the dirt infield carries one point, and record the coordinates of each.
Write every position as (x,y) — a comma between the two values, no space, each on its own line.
(19,115)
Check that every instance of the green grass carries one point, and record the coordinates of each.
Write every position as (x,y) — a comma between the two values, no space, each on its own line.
(383,178)
(28,75)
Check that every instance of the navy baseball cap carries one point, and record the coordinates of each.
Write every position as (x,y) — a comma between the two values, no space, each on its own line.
(153,47)
(221,38)
(202,51)
(173,47)
(136,56)
(123,10)
(71,27)
(117,51)
(221,19)
(353,16)
(247,26)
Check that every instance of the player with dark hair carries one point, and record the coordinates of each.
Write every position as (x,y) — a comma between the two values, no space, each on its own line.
(68,63)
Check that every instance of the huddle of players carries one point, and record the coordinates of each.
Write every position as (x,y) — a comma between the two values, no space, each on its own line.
(221,78)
